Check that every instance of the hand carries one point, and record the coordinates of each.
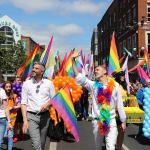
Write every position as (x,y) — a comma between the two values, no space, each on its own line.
(123,125)
(44,107)
(76,53)
(25,127)
(9,126)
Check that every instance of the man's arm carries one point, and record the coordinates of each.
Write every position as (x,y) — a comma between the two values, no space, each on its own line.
(75,55)
(120,108)
(24,115)
(24,108)
(7,112)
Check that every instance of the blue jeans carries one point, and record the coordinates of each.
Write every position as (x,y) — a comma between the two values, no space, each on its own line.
(10,134)
(2,130)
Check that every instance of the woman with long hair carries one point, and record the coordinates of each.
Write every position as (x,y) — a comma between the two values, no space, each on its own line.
(13,105)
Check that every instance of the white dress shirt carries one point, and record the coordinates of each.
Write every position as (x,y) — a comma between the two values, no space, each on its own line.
(3,96)
(116,98)
(34,94)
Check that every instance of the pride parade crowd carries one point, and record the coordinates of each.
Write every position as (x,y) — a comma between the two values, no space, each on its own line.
(26,105)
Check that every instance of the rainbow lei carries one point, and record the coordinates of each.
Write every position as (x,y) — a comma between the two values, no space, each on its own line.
(103,100)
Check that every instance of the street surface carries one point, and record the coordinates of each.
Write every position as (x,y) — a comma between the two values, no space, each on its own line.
(87,140)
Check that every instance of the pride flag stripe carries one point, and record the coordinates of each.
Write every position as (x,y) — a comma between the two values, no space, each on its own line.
(63,104)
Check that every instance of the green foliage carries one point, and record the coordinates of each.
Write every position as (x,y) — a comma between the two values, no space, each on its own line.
(11,58)
(2,38)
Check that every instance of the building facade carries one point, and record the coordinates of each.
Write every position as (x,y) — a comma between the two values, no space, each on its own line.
(11,30)
(94,46)
(130,20)
(12,33)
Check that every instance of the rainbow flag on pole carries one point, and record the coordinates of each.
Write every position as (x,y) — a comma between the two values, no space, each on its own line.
(142,74)
(113,57)
(26,69)
(48,59)
(147,61)
(46,53)
(62,102)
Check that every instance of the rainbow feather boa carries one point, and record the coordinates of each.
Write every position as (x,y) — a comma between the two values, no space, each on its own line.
(103,101)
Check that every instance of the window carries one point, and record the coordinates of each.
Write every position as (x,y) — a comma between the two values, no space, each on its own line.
(129,17)
(134,41)
(120,49)
(125,22)
(114,17)
(124,44)
(148,12)
(129,44)
(109,21)
(134,13)
(148,42)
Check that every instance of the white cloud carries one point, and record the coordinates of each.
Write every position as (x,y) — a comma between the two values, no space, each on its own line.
(66,30)
(60,6)
(61,35)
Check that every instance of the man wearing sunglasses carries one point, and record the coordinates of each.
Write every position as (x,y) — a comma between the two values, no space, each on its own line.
(36,95)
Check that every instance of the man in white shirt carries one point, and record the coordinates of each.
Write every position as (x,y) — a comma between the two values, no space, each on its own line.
(36,95)
(115,102)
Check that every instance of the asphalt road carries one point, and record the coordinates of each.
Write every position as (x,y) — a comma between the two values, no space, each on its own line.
(87,140)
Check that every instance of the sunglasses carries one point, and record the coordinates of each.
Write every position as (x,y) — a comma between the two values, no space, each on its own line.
(37,89)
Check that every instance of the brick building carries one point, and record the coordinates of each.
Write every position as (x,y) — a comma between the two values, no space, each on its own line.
(28,44)
(130,20)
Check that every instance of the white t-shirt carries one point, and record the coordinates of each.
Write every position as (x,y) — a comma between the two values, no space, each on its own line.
(2,98)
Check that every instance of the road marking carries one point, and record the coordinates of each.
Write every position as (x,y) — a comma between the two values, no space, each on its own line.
(53,146)
(125,147)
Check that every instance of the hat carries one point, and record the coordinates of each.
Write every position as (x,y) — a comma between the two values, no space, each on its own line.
(118,72)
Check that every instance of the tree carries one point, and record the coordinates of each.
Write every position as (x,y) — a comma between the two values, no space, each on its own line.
(11,58)
(2,38)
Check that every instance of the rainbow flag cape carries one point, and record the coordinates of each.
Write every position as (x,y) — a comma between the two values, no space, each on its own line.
(26,69)
(142,74)
(63,104)
(113,57)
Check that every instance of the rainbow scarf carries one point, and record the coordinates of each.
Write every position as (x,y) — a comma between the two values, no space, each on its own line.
(103,101)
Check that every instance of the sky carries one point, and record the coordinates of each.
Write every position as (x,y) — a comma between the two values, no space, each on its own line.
(71,22)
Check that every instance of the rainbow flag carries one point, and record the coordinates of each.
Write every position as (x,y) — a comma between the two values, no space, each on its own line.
(61,70)
(80,62)
(26,69)
(63,104)
(147,61)
(113,57)
(142,74)
(48,59)
(45,54)
(68,67)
